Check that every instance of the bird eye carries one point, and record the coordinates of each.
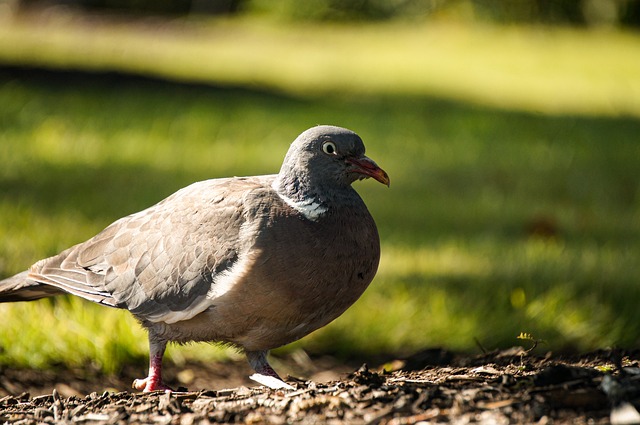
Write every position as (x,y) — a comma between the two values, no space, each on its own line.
(329,148)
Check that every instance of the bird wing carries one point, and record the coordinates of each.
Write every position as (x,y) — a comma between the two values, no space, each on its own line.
(162,263)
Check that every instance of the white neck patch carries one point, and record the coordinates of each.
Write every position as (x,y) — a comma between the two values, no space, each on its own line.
(311,208)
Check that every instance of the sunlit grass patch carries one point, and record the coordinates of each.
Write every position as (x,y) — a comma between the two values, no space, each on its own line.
(71,331)
(68,330)
(451,258)
(455,294)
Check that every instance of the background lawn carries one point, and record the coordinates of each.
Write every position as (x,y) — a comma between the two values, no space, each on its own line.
(514,204)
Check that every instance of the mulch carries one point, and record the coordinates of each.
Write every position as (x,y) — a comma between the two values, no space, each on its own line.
(433,386)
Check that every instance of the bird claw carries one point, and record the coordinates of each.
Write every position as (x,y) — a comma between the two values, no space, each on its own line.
(265,375)
(149,384)
(273,382)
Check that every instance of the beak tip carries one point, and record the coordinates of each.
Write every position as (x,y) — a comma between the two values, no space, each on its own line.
(384,179)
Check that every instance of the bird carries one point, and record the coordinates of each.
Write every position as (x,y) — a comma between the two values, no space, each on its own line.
(253,262)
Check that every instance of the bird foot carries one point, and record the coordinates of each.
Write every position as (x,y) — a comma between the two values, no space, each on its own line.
(149,384)
(265,374)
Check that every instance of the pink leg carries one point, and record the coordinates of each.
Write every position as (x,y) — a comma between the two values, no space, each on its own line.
(259,363)
(153,382)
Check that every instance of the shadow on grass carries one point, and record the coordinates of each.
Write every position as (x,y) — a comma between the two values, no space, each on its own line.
(102,193)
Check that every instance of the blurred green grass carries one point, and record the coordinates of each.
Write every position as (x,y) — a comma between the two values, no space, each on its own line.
(497,221)
(544,69)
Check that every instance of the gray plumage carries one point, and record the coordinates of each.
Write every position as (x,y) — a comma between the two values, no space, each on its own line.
(257,262)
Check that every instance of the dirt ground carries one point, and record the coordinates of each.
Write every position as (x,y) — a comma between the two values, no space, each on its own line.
(432,386)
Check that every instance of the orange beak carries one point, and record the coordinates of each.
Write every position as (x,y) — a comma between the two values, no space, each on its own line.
(369,168)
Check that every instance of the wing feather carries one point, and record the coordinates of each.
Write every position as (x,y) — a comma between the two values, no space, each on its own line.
(161,263)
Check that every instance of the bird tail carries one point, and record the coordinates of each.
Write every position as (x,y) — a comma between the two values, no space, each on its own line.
(21,288)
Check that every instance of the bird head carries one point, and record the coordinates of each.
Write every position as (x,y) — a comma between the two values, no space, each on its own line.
(329,158)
